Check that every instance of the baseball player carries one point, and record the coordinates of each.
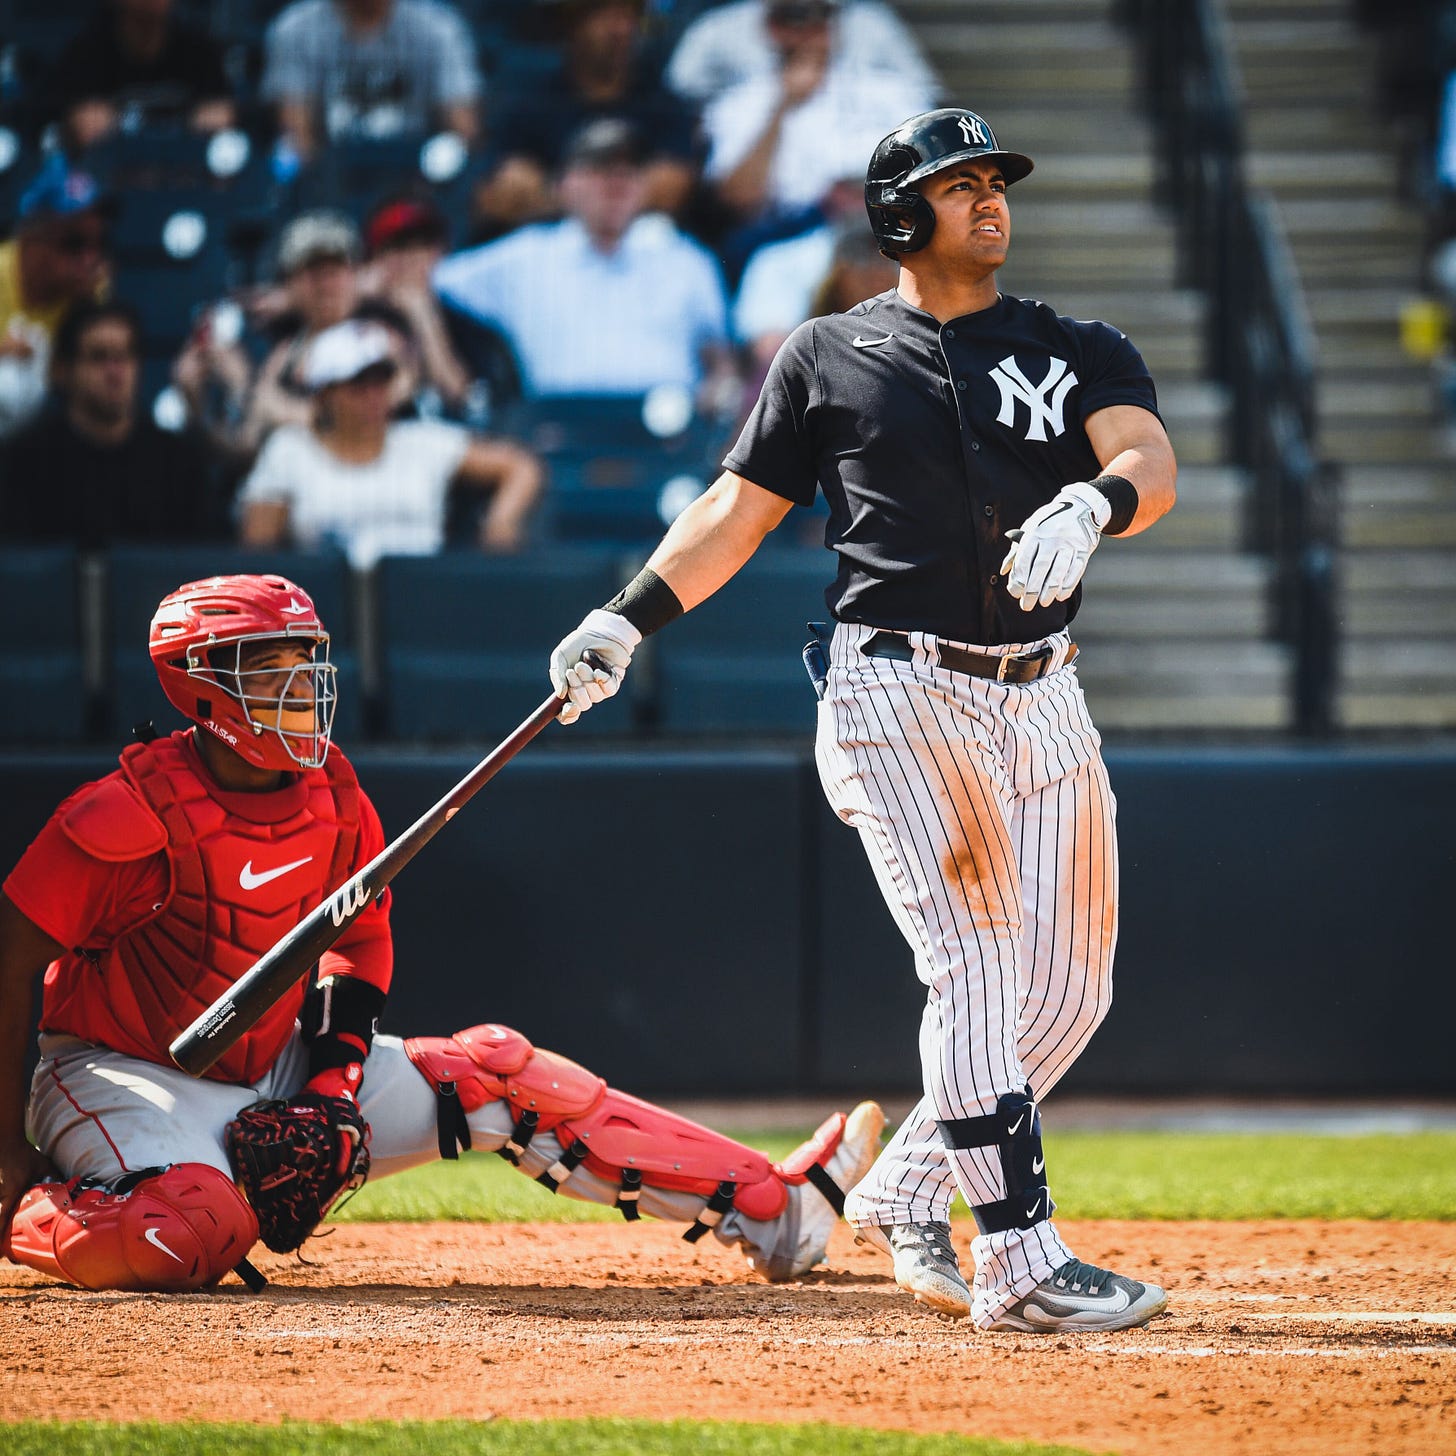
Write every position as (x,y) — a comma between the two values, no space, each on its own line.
(151,890)
(974,449)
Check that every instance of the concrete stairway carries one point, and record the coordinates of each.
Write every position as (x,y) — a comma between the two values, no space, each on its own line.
(1175,625)
(1316,143)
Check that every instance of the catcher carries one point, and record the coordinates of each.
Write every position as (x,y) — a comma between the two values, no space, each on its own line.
(151,890)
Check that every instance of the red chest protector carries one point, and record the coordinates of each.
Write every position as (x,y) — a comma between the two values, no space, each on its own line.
(244,869)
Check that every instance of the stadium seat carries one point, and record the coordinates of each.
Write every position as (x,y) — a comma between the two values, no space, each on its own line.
(464,639)
(43,696)
(137,578)
(621,466)
(733,664)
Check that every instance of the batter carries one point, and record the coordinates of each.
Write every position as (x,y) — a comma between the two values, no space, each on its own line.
(974,449)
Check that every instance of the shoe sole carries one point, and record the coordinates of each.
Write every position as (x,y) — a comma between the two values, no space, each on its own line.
(1085,1323)
(950,1305)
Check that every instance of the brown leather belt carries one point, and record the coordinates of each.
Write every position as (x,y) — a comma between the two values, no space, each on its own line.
(1020,667)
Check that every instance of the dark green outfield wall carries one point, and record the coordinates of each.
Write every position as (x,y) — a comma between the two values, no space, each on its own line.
(698,922)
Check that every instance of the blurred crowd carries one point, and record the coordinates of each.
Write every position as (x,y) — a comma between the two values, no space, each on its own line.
(340,271)
(1416,43)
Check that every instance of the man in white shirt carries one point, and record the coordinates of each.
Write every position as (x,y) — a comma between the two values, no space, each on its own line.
(731,43)
(778,139)
(607,301)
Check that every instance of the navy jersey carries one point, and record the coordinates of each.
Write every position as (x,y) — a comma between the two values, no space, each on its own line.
(930,441)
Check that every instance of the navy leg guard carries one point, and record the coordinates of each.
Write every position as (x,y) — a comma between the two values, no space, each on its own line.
(1015,1129)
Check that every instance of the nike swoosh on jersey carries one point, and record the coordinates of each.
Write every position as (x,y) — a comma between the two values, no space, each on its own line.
(250,880)
(862,343)
(152,1237)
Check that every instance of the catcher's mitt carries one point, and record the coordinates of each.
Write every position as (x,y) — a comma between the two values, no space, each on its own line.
(293,1158)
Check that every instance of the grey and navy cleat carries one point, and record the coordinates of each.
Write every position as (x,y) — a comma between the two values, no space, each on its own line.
(925,1265)
(1083,1297)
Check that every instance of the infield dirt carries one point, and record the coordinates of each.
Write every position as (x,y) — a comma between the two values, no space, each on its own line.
(1281,1338)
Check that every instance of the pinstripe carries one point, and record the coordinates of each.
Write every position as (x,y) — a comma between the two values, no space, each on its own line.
(986,815)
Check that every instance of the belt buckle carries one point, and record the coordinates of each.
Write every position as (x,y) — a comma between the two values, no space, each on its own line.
(1043,655)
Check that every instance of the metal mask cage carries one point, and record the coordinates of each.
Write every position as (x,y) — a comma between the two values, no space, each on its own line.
(309,747)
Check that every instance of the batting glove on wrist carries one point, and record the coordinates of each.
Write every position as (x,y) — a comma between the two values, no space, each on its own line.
(1050,552)
(610,639)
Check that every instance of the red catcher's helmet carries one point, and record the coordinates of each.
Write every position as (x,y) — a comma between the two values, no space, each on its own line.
(197,640)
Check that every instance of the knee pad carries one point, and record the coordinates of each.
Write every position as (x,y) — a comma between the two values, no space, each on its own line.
(492,1063)
(1014,1129)
(161,1229)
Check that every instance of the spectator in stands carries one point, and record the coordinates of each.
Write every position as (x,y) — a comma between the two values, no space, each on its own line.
(609,300)
(370,484)
(318,257)
(780,282)
(57,258)
(137,64)
(340,69)
(602,72)
(93,471)
(733,43)
(406,239)
(779,139)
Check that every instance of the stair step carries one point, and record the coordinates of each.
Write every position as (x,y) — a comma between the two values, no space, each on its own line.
(1070,131)
(1121,176)
(1425,572)
(1313,124)
(1420,706)
(1382,525)
(1393,483)
(1290,173)
(1213,574)
(1356,218)
(1377,441)
(1400,399)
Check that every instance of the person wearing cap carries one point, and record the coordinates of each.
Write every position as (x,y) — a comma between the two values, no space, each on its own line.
(57,258)
(405,239)
(729,44)
(96,471)
(602,71)
(778,139)
(318,273)
(611,299)
(367,483)
(366,69)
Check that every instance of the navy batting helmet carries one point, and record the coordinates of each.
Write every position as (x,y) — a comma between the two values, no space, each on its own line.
(900,218)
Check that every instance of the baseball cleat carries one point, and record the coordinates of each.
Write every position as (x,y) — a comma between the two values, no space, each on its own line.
(1083,1297)
(852,1158)
(926,1266)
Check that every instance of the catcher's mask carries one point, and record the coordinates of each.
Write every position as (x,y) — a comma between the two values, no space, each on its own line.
(210,645)
(900,218)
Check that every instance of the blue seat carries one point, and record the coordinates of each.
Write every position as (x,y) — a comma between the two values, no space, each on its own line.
(137,578)
(464,638)
(43,696)
(733,664)
(609,469)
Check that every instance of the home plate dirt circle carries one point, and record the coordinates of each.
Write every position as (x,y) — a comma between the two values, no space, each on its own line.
(1281,1338)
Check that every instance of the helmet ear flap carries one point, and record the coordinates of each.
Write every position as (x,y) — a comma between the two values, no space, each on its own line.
(901,219)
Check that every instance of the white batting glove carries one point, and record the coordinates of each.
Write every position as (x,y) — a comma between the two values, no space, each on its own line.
(1050,552)
(610,639)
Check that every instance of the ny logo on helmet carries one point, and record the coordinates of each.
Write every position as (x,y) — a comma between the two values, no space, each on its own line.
(973,131)
(1014,385)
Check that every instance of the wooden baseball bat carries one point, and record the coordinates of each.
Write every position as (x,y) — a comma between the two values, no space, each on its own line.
(240,1008)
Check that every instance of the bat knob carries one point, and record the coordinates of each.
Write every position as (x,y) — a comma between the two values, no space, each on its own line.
(1014,534)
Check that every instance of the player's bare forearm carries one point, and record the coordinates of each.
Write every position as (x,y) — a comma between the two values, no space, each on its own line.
(712,539)
(1132,443)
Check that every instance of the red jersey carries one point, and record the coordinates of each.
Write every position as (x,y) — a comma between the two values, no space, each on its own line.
(168,887)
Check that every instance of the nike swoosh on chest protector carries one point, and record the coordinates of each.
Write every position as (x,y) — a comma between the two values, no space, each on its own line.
(250,880)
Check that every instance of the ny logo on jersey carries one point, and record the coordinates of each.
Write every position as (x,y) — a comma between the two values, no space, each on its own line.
(972,130)
(1014,385)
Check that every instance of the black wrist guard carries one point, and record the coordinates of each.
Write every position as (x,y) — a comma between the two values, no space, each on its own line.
(1122,496)
(647,602)
(340,1021)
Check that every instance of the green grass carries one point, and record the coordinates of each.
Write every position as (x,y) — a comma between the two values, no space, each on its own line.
(494,1438)
(1093,1175)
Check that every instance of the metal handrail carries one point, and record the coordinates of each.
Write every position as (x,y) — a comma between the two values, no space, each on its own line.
(1259,339)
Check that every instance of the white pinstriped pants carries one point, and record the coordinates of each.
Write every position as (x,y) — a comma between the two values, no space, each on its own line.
(989,822)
